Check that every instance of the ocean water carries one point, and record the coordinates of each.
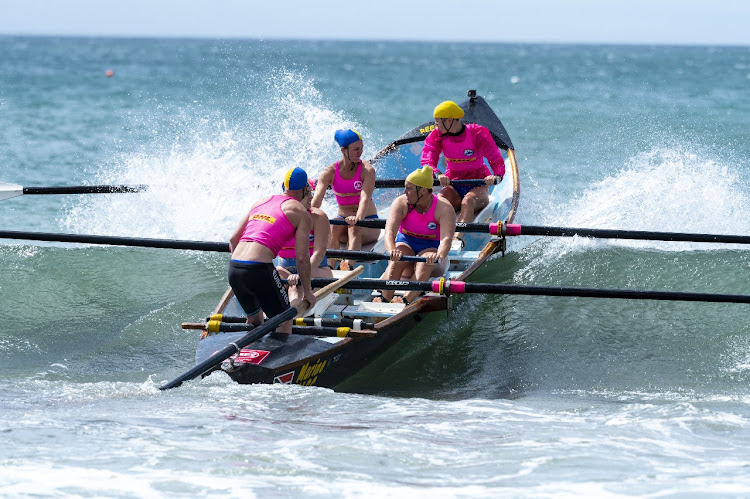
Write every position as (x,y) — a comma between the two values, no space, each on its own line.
(506,396)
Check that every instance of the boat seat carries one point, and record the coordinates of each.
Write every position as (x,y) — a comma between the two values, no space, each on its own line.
(321,306)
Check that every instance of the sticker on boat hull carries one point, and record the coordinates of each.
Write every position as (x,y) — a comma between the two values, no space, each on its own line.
(248,356)
(285,379)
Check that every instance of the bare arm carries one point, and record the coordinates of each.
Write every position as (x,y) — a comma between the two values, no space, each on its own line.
(324,181)
(303,224)
(446,217)
(395,216)
(322,230)
(368,186)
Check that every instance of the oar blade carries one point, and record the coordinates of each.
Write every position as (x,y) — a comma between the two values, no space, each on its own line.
(8,191)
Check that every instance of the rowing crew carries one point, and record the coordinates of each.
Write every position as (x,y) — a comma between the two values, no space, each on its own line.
(292,226)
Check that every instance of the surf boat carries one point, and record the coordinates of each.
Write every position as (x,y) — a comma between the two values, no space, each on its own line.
(345,331)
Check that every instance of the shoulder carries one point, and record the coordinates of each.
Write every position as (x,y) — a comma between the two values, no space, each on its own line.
(478,130)
(292,206)
(318,214)
(399,203)
(434,135)
(327,172)
(367,167)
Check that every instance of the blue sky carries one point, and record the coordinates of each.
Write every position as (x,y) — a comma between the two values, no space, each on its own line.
(714,22)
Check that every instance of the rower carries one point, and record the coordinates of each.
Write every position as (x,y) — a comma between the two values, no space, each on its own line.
(464,146)
(353,182)
(419,223)
(318,242)
(256,242)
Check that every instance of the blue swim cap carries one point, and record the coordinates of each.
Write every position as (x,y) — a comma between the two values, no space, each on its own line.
(295,179)
(345,137)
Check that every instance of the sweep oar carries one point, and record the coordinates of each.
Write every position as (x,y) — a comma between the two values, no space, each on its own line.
(447,287)
(8,191)
(257,333)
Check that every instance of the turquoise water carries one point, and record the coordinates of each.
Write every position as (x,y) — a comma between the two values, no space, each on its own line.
(508,395)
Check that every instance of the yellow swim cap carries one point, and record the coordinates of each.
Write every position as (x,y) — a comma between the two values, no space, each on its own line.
(421,177)
(448,109)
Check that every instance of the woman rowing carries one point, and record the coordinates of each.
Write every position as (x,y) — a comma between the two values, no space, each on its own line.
(287,260)
(353,181)
(465,146)
(419,223)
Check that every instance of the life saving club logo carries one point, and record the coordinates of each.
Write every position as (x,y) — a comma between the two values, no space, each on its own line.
(358,185)
(468,152)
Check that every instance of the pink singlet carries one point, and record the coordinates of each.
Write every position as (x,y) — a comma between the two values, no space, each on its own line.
(288,251)
(268,225)
(347,191)
(421,225)
(464,153)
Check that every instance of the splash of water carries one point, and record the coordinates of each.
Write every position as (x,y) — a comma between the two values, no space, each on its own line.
(665,189)
(204,178)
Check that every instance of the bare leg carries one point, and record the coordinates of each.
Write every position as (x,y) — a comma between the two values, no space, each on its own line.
(396,270)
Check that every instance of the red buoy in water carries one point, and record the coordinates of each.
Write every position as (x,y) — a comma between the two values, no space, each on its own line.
(109,73)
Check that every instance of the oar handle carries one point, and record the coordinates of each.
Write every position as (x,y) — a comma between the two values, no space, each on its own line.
(369,255)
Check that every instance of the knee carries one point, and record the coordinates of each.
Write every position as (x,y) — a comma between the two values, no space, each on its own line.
(469,201)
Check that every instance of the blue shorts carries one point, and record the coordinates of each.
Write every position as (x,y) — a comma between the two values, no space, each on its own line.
(417,243)
(463,190)
(290,264)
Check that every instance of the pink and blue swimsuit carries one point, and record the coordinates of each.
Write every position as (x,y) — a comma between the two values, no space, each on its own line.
(420,231)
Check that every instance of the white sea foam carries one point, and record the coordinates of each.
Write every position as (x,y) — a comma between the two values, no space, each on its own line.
(202,181)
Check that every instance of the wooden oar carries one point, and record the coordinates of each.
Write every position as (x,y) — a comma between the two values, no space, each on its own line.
(447,287)
(8,191)
(268,326)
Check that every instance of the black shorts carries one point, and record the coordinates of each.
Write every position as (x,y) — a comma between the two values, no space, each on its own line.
(258,286)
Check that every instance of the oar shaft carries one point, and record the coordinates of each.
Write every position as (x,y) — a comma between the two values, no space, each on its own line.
(399,182)
(459,287)
(379,223)
(536,230)
(85,189)
(368,255)
(116,241)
